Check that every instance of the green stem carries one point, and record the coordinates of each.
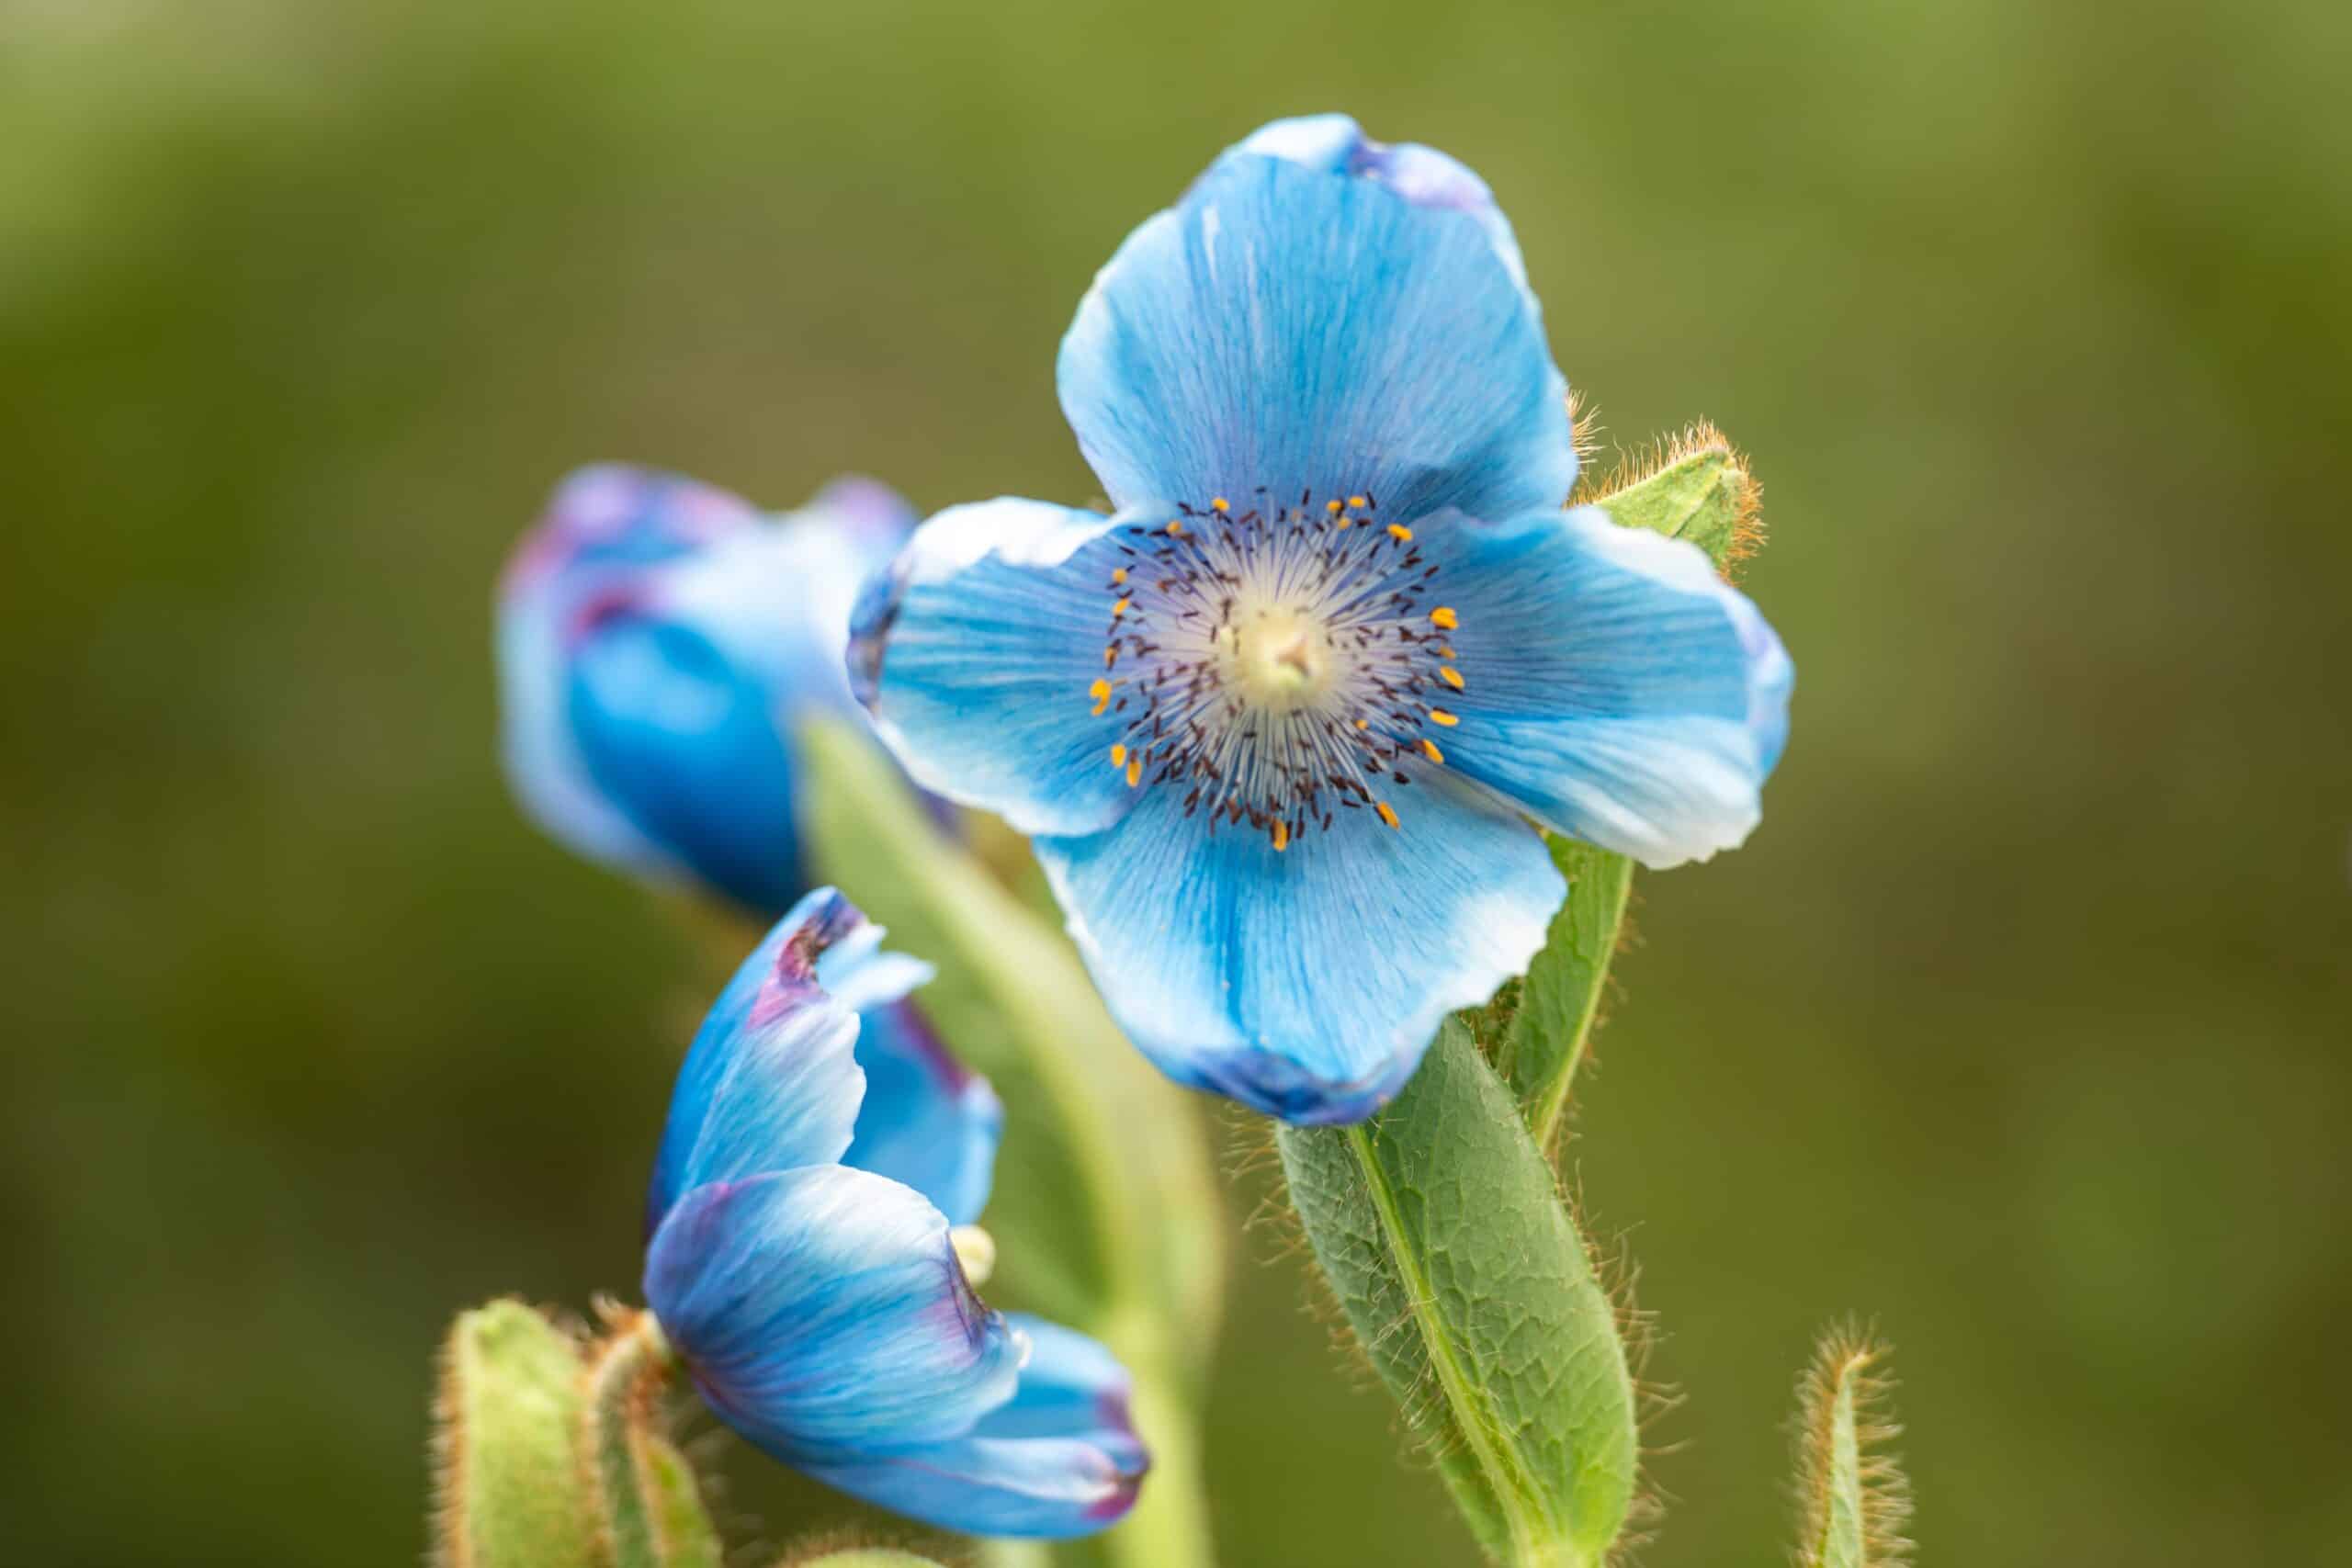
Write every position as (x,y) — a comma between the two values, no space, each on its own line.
(624,1379)
(1169,1526)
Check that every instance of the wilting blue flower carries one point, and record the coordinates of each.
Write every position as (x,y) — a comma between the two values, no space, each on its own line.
(1279,723)
(823,1151)
(657,639)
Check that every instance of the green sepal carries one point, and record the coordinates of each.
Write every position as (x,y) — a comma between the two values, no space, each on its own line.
(512,1494)
(1464,1277)
(1550,1032)
(648,1505)
(1697,488)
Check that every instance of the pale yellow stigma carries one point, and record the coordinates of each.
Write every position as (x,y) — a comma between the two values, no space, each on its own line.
(1281,659)
(1101,693)
(1388,814)
(1439,716)
(1450,676)
(1443,618)
(975,1250)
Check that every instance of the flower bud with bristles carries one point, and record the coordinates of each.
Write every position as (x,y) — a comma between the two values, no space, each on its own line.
(1853,1498)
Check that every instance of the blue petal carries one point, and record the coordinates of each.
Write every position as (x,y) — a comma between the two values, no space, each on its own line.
(687,745)
(1310,329)
(772,1080)
(1336,144)
(1060,1459)
(928,1121)
(1614,685)
(1306,983)
(976,653)
(603,526)
(824,1315)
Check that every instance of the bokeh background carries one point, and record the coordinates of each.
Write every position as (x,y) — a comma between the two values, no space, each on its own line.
(2021,1024)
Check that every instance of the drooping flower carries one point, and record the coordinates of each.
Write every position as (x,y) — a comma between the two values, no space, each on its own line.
(1278,725)
(811,1207)
(657,639)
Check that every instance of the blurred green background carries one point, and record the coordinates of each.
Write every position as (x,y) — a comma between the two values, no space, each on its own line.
(2020,1025)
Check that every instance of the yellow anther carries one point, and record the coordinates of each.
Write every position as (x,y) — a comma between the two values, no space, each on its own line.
(1345,522)
(1444,652)
(1443,618)
(1363,723)
(1334,506)
(1282,836)
(1440,716)
(1359,501)
(1135,772)
(1110,656)
(975,1250)
(1431,748)
(1176,527)
(1101,693)
(1118,754)
(1119,574)
(1449,675)
(1386,814)
(1220,506)
(1398,532)
(1120,608)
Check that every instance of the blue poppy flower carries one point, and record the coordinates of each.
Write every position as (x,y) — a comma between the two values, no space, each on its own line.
(808,1213)
(1279,725)
(656,640)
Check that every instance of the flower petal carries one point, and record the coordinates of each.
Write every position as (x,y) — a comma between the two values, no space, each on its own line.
(603,526)
(1319,324)
(772,1080)
(1060,1459)
(1336,144)
(1306,983)
(1614,685)
(928,1121)
(686,744)
(822,1313)
(977,652)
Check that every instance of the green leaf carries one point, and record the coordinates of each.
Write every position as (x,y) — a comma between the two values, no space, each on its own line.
(1696,488)
(511,1491)
(1440,1226)
(1854,1497)
(1551,1033)
(1105,1211)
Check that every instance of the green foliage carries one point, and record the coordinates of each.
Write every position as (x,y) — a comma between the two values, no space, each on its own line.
(510,1492)
(553,1457)
(1105,1210)
(1464,1277)
(1853,1497)
(1550,1034)
(1692,487)
(862,1557)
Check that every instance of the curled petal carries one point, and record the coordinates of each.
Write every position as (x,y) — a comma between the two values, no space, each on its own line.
(979,653)
(1615,686)
(772,1081)
(1060,1459)
(822,1313)
(928,1121)
(1306,983)
(1322,321)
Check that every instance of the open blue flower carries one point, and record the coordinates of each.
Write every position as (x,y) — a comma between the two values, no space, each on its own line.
(822,1155)
(1279,724)
(657,639)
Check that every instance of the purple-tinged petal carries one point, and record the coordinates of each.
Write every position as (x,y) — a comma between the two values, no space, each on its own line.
(1060,1459)
(772,1080)
(822,1313)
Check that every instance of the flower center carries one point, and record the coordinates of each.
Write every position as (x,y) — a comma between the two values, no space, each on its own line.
(1282,664)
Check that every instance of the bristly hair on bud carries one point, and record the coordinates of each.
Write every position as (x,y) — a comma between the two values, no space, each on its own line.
(1853,1499)
(1701,488)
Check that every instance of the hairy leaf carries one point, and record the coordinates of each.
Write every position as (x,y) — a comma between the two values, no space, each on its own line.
(1463,1278)
(1551,1033)
(1853,1497)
